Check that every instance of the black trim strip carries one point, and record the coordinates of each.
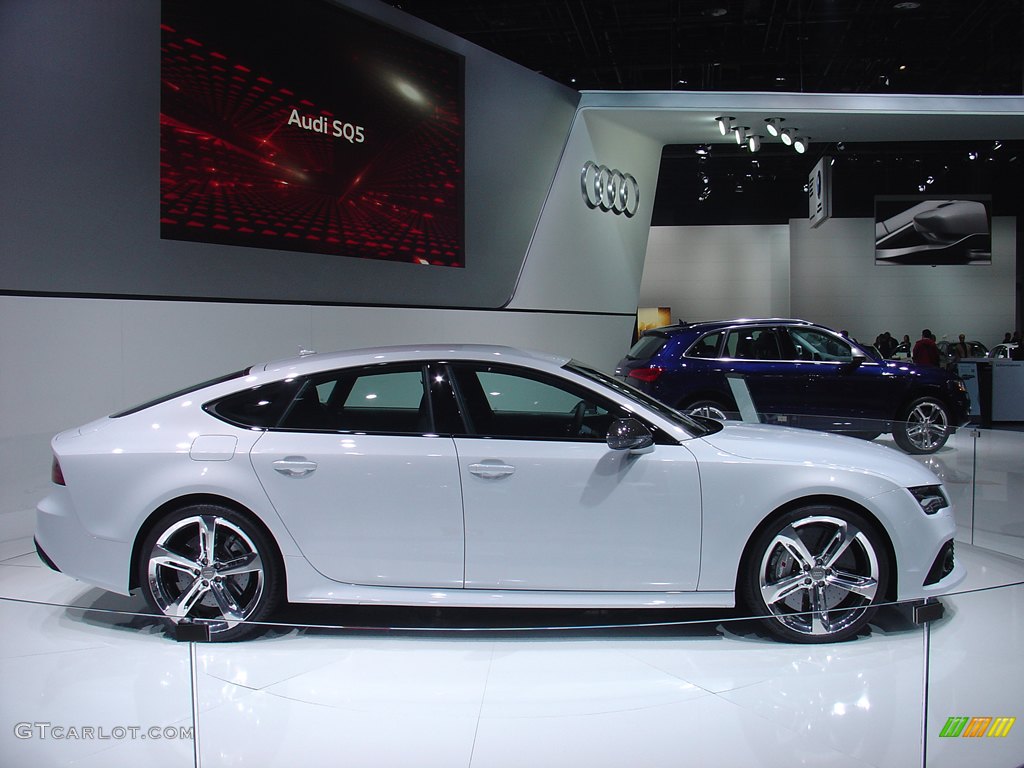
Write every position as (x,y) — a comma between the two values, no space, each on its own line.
(293,303)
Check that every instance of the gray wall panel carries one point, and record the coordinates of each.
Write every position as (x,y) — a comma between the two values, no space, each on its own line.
(79,85)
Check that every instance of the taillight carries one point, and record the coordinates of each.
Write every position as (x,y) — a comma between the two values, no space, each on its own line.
(646,374)
(56,473)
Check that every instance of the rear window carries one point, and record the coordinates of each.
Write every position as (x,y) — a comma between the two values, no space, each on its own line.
(181,393)
(261,407)
(646,347)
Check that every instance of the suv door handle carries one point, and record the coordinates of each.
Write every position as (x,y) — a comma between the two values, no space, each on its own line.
(295,467)
(491,470)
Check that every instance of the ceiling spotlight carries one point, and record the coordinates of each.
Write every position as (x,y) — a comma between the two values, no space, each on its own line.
(741,134)
(972,155)
(800,143)
(921,188)
(703,150)
(997,144)
(774,125)
(754,142)
(725,124)
(787,135)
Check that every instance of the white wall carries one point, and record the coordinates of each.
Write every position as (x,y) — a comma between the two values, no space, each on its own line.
(710,273)
(68,360)
(827,275)
(834,280)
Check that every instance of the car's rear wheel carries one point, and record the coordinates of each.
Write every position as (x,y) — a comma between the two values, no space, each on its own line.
(709,408)
(816,574)
(923,427)
(211,564)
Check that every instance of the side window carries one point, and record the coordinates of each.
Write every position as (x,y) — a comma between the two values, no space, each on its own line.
(506,402)
(362,400)
(812,344)
(706,346)
(752,344)
(260,407)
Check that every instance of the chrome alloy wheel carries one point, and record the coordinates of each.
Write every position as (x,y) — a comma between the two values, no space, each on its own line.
(205,566)
(927,426)
(708,409)
(819,576)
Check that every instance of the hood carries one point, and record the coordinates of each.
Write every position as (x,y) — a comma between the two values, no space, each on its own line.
(788,445)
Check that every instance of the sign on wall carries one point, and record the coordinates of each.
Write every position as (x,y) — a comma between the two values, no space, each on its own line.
(819,192)
(302,126)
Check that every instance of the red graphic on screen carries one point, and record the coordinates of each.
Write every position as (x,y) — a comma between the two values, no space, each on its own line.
(299,126)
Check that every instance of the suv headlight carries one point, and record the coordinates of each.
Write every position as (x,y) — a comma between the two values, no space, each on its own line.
(930,497)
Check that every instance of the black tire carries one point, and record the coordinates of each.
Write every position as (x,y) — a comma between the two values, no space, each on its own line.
(862,435)
(238,581)
(711,409)
(816,574)
(923,427)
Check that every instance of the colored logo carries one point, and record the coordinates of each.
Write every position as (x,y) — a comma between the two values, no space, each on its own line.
(977,727)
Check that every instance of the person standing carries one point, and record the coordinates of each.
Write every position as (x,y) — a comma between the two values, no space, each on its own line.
(961,349)
(926,351)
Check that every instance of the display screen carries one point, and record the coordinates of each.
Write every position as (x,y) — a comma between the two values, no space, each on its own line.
(302,126)
(933,230)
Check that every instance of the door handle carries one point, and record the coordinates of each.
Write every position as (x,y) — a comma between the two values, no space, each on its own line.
(295,467)
(491,470)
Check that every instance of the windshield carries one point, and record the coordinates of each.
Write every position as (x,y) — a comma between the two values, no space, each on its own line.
(693,426)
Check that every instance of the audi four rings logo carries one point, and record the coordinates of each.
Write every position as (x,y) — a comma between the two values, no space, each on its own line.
(609,189)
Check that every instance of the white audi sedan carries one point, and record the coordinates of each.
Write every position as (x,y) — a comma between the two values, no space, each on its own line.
(482,476)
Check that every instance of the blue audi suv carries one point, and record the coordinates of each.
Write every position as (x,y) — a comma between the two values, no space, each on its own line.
(797,373)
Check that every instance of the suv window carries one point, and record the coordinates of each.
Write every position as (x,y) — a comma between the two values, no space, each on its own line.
(812,344)
(752,344)
(646,347)
(706,346)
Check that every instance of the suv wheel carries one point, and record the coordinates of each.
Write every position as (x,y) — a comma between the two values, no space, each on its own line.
(709,408)
(923,427)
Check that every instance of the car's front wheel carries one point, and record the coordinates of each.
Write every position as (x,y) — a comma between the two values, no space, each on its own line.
(923,427)
(816,574)
(210,563)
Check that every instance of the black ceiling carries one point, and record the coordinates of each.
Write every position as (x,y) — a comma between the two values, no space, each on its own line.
(812,46)
(829,46)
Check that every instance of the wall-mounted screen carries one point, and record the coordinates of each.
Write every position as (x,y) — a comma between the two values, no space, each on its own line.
(302,126)
(935,230)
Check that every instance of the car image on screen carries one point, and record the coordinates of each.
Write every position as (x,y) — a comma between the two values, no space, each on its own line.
(479,476)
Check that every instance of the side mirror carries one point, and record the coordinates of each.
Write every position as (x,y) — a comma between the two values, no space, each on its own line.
(858,360)
(629,435)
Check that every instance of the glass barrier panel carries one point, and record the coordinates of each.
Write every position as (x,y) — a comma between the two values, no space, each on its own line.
(86,684)
(390,686)
(975,712)
(998,491)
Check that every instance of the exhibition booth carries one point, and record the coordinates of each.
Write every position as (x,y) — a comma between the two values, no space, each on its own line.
(447,196)
(93,679)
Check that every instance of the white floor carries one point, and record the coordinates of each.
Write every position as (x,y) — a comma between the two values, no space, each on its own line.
(713,693)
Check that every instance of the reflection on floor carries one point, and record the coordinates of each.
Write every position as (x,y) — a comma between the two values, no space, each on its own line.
(434,693)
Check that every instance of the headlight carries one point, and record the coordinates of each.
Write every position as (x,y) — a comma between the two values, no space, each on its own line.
(930,497)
